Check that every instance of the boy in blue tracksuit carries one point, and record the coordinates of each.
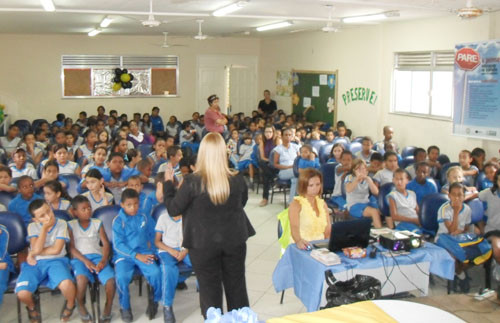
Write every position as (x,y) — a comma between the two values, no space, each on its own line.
(6,265)
(20,203)
(157,121)
(133,246)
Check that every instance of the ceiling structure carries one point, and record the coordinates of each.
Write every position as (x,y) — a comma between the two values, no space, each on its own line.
(178,17)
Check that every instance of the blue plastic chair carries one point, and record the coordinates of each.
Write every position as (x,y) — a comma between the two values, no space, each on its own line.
(343,142)
(328,171)
(477,210)
(6,197)
(63,215)
(355,147)
(36,123)
(145,149)
(324,152)
(428,212)
(357,139)
(407,161)
(407,151)
(317,144)
(383,203)
(107,214)
(148,188)
(444,169)
(279,184)
(73,181)
(480,178)
(443,159)
(23,125)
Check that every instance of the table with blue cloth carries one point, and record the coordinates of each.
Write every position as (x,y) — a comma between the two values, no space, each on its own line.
(397,274)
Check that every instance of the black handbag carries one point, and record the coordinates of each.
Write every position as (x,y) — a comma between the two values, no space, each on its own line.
(359,288)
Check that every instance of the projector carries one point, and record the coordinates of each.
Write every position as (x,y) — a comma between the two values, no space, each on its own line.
(400,241)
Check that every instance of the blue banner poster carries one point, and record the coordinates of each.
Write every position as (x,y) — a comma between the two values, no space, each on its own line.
(476,111)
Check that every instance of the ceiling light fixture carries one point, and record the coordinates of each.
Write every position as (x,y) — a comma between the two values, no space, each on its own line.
(106,22)
(374,17)
(48,5)
(275,26)
(94,32)
(230,8)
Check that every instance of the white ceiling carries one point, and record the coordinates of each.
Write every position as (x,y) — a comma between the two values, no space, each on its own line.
(179,16)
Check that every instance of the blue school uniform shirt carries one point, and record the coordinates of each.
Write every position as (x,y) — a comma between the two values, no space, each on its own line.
(421,190)
(124,176)
(20,206)
(4,248)
(151,200)
(131,235)
(306,163)
(157,123)
(485,183)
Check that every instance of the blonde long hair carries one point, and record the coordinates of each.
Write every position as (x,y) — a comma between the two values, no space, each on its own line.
(211,165)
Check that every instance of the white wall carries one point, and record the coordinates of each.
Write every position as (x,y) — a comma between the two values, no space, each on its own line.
(364,57)
(30,66)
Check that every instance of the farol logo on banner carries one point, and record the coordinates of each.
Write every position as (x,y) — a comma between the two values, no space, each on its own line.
(467,59)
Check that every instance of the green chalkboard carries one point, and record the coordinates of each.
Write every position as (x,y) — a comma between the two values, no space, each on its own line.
(317,88)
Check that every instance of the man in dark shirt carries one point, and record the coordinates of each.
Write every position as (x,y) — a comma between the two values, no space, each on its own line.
(267,106)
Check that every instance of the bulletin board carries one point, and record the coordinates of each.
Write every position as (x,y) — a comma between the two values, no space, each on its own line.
(316,88)
(77,82)
(163,80)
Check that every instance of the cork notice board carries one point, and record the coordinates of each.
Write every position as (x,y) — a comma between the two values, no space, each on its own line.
(77,82)
(163,80)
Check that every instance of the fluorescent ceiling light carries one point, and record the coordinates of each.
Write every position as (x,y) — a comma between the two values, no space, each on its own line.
(106,22)
(275,26)
(94,32)
(374,17)
(48,5)
(230,8)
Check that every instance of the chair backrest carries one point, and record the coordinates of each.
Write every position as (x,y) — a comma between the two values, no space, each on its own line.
(145,149)
(296,166)
(328,171)
(6,197)
(444,169)
(355,147)
(63,215)
(357,139)
(407,161)
(256,153)
(324,152)
(479,180)
(107,214)
(73,181)
(158,211)
(383,203)
(443,159)
(23,125)
(428,211)
(17,231)
(317,144)
(477,210)
(343,142)
(407,151)
(36,123)
(148,188)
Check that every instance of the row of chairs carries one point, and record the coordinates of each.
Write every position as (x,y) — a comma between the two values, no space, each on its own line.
(18,242)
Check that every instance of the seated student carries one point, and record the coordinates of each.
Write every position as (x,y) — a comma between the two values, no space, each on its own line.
(41,139)
(159,153)
(5,179)
(174,156)
(421,184)
(336,153)
(53,193)
(88,147)
(168,240)
(419,155)
(308,212)
(455,174)
(307,158)
(329,135)
(26,195)
(432,159)
(50,173)
(478,158)
(490,169)
(134,182)
(46,261)
(187,137)
(145,169)
(342,134)
(70,145)
(32,150)
(341,171)
(390,147)
(121,146)
(358,185)
(366,151)
(10,142)
(116,176)
(6,264)
(284,156)
(491,231)
(232,147)
(376,164)
(133,156)
(245,156)
(469,171)
(390,165)
(96,193)
(133,246)
(21,166)
(380,146)
(98,161)
(65,166)
(403,203)
(90,250)
(454,218)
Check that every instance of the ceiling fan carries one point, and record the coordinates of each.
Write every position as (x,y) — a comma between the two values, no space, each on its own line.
(200,35)
(151,22)
(469,11)
(329,25)
(166,44)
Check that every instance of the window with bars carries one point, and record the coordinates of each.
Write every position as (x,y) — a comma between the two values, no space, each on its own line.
(422,83)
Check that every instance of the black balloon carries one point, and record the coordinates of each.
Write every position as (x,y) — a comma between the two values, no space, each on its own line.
(129,85)
(116,79)
(124,71)
(131,77)
(118,71)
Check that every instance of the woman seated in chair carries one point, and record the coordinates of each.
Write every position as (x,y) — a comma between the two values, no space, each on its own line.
(308,213)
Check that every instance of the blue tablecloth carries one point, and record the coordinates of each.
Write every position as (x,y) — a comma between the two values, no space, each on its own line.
(299,270)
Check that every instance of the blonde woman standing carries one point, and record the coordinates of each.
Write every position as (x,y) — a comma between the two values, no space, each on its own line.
(215,226)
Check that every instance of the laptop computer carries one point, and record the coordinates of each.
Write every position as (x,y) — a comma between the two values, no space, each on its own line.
(352,233)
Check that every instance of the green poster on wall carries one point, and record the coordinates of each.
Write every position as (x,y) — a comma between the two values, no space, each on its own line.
(317,89)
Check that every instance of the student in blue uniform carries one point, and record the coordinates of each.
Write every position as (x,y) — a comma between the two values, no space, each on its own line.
(26,195)
(116,175)
(46,261)
(132,233)
(87,235)
(421,184)
(6,265)
(134,182)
